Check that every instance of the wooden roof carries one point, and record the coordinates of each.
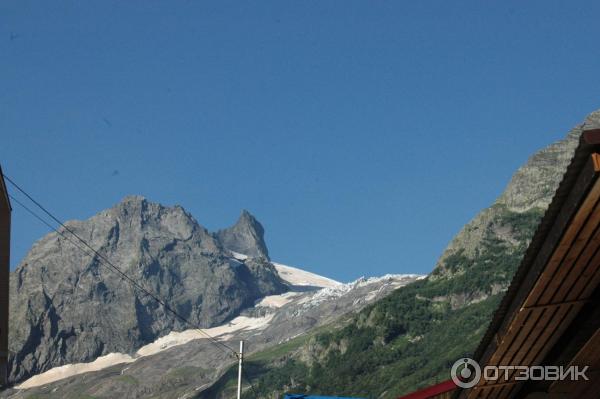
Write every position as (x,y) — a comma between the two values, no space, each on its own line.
(542,318)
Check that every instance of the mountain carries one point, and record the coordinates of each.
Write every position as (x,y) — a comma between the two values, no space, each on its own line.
(71,314)
(185,364)
(410,338)
(245,237)
(371,338)
(66,306)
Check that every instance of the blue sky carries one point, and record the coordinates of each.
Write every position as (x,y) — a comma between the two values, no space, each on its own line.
(363,135)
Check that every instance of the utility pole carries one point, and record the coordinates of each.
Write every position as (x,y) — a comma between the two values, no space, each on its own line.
(4,274)
(240,358)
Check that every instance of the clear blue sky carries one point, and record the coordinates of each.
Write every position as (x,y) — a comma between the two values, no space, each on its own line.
(363,135)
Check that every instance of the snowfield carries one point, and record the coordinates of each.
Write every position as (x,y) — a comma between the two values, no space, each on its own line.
(295,276)
(336,291)
(323,289)
(221,332)
(239,256)
(69,370)
(276,301)
(163,343)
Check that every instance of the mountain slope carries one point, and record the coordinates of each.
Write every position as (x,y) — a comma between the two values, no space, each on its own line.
(67,307)
(185,364)
(299,342)
(410,338)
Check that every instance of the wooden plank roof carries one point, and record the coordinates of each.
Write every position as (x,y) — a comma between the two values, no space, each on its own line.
(558,277)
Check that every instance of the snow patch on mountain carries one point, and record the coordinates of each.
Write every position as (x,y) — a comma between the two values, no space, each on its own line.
(299,277)
(168,341)
(179,338)
(58,373)
(332,292)
(239,256)
(320,290)
(276,301)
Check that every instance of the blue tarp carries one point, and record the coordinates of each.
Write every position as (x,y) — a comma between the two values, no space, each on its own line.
(292,396)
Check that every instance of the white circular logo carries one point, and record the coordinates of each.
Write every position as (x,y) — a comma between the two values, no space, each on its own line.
(466,373)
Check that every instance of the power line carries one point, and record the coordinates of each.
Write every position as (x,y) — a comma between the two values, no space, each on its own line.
(66,237)
(35,215)
(226,348)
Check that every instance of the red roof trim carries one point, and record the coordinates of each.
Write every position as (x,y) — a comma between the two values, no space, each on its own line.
(431,391)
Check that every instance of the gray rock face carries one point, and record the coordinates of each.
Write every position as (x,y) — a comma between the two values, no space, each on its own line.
(188,370)
(67,306)
(534,184)
(245,237)
(531,188)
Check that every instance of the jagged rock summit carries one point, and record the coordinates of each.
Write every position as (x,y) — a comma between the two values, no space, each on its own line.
(67,306)
(245,237)
(534,183)
(529,191)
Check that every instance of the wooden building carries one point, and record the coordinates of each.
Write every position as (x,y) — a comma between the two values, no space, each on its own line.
(550,315)
(4,274)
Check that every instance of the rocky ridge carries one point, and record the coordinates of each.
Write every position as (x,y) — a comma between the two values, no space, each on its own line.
(68,307)
(185,364)
(530,190)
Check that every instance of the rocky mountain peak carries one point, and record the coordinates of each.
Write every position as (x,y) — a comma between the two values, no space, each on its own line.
(529,191)
(67,306)
(246,217)
(533,185)
(246,237)
(133,198)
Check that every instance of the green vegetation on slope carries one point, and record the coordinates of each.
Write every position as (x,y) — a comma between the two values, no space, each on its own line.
(409,339)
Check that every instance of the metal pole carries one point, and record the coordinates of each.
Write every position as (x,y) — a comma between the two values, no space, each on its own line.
(240,357)
(4,278)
